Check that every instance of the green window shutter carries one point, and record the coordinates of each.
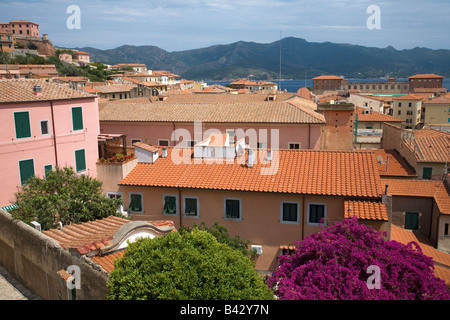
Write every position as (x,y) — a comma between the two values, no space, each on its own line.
(170,205)
(26,168)
(77,118)
(80,160)
(47,168)
(427,173)
(191,206)
(290,212)
(316,212)
(22,123)
(135,202)
(412,220)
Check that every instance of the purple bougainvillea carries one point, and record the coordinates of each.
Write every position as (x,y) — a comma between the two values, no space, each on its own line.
(333,264)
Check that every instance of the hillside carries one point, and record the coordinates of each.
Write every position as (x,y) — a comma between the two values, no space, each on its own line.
(298,56)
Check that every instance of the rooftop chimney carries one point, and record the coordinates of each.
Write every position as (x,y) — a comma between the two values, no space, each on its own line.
(37,90)
(269,155)
(251,158)
(164,152)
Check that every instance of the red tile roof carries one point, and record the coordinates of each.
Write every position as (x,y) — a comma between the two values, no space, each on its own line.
(329,77)
(429,145)
(340,173)
(92,235)
(257,112)
(426,76)
(406,236)
(21,90)
(395,166)
(374,116)
(421,188)
(408,97)
(365,210)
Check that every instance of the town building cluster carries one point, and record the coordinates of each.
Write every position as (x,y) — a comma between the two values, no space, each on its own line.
(272,167)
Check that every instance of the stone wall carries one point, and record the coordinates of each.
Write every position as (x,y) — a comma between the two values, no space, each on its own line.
(35,260)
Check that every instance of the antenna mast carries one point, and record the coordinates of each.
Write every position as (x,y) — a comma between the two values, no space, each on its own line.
(279,78)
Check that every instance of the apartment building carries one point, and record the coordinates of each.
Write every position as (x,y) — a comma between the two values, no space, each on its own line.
(270,197)
(425,81)
(21,27)
(328,83)
(45,125)
(409,109)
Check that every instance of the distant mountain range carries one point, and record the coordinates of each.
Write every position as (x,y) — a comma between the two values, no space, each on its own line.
(299,59)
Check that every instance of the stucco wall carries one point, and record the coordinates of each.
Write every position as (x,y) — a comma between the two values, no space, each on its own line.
(34,259)
(260,222)
(307,135)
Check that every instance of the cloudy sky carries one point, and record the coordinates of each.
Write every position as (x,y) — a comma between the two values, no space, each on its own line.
(176,25)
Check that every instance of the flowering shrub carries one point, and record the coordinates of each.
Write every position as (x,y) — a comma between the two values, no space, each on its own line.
(333,265)
(117,158)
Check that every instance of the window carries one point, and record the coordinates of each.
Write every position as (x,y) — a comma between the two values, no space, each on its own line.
(233,209)
(410,104)
(26,170)
(316,212)
(426,173)
(47,168)
(136,204)
(446,230)
(399,112)
(191,206)
(133,141)
(289,212)
(294,145)
(44,127)
(77,118)
(412,220)
(399,104)
(22,123)
(80,160)
(163,142)
(169,204)
(114,195)
(191,143)
(262,145)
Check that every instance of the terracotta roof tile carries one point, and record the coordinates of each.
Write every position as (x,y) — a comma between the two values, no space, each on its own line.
(340,173)
(428,75)
(406,236)
(328,77)
(258,112)
(223,98)
(374,116)
(430,145)
(92,235)
(21,90)
(421,188)
(107,261)
(408,97)
(393,164)
(366,210)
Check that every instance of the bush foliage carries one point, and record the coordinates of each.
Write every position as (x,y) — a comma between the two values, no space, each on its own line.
(63,196)
(188,266)
(333,265)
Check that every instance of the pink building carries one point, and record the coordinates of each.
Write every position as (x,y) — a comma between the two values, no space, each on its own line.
(83,57)
(286,125)
(45,125)
(24,28)
(271,198)
(64,56)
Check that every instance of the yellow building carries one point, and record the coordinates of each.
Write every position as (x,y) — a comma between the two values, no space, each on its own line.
(409,109)
(437,111)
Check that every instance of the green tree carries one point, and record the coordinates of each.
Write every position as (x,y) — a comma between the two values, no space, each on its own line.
(63,196)
(223,236)
(188,266)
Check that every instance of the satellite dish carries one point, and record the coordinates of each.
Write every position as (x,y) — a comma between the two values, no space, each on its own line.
(380,159)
